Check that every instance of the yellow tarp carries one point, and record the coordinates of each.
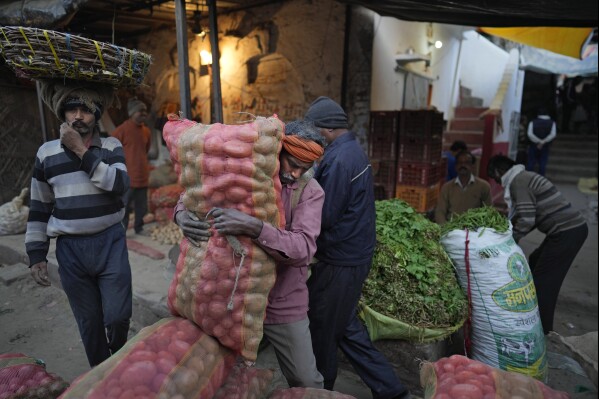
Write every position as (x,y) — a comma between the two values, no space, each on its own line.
(566,41)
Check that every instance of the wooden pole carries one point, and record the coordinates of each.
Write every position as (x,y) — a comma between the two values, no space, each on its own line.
(217,103)
(183,58)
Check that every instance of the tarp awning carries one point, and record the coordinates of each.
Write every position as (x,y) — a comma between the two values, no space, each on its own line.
(509,13)
(565,41)
(544,61)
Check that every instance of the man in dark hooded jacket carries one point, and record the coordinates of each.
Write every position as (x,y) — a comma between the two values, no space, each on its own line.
(345,249)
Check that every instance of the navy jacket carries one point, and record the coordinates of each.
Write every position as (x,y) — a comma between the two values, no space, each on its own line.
(348,231)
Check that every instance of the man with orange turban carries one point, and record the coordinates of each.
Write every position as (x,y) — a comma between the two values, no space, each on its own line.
(286,324)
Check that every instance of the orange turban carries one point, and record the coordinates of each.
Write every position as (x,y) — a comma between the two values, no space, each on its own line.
(304,150)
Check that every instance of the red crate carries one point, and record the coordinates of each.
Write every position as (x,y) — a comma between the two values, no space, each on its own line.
(422,199)
(418,173)
(382,137)
(421,123)
(420,149)
(384,178)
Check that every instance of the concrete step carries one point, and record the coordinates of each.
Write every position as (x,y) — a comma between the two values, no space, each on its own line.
(589,153)
(578,138)
(574,145)
(471,102)
(560,178)
(468,112)
(467,124)
(474,138)
(565,163)
(572,170)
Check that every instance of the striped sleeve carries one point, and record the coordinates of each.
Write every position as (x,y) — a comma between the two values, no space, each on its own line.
(41,205)
(110,175)
(525,210)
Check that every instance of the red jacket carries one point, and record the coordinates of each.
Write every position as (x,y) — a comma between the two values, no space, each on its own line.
(136,143)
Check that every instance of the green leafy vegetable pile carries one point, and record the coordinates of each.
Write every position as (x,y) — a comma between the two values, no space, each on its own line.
(412,279)
(475,218)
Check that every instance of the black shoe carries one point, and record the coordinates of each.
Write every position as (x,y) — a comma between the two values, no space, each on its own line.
(405,395)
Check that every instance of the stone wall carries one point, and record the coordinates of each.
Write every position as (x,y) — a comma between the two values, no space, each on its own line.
(274,59)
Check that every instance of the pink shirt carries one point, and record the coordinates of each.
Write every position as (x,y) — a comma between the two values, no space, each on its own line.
(292,248)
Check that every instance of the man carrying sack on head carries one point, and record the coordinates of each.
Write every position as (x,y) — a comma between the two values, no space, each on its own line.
(76,197)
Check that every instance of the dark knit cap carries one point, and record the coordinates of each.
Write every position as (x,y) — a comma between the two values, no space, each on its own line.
(134,105)
(74,102)
(324,112)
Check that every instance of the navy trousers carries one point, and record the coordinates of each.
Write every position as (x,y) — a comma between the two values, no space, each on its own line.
(139,198)
(334,293)
(549,265)
(96,276)
(538,156)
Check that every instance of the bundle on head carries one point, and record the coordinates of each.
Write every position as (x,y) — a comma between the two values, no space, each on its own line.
(57,94)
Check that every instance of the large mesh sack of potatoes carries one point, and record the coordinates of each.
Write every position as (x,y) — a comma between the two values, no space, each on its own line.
(245,382)
(459,377)
(223,284)
(23,376)
(172,358)
(307,393)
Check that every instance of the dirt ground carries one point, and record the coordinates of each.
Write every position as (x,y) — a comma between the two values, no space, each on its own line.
(38,322)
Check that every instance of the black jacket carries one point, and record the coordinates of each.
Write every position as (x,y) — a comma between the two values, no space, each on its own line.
(348,231)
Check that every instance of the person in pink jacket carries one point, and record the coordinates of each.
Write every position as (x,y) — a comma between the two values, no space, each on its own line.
(286,323)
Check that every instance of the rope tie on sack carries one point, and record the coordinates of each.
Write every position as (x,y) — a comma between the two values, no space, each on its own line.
(468,324)
(99,51)
(56,60)
(5,38)
(238,250)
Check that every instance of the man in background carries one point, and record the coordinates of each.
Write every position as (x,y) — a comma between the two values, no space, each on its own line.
(541,132)
(464,192)
(345,249)
(76,190)
(135,136)
(456,147)
(535,203)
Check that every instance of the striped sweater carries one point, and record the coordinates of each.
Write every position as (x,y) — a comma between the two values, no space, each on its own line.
(538,204)
(72,196)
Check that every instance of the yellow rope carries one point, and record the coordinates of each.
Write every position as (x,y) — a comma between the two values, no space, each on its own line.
(56,60)
(6,38)
(100,54)
(130,64)
(27,40)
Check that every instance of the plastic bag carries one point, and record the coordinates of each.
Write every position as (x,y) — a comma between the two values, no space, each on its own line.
(13,215)
(506,330)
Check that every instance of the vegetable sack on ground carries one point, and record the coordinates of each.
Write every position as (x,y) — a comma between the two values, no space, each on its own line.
(458,377)
(24,377)
(412,279)
(504,329)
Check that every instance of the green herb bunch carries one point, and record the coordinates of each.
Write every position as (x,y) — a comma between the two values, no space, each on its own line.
(412,279)
(475,218)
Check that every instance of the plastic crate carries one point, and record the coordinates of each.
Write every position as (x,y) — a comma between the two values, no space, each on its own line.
(420,149)
(421,123)
(382,137)
(421,174)
(422,199)
(384,178)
